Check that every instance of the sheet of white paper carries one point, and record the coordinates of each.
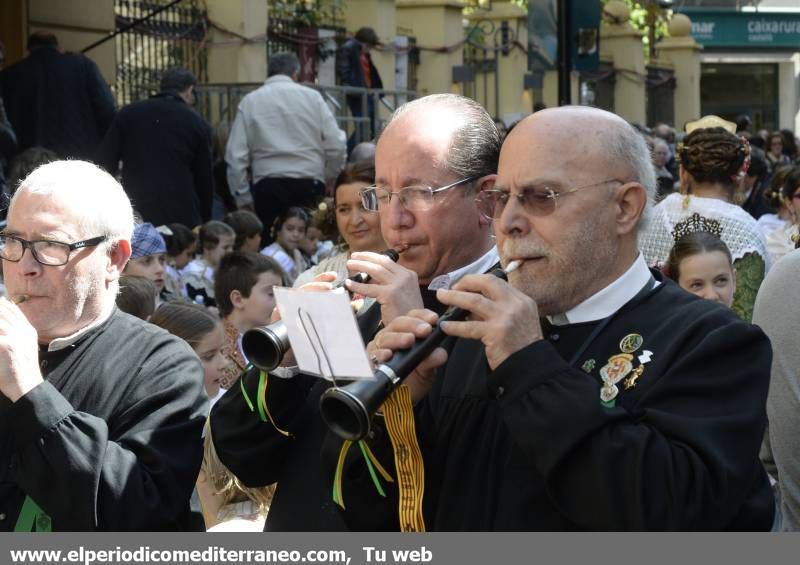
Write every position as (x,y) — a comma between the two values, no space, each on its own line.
(323,333)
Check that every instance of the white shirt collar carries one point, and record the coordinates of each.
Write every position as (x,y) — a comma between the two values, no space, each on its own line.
(610,299)
(60,343)
(480,266)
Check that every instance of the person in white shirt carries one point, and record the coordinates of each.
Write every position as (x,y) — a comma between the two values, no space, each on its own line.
(286,136)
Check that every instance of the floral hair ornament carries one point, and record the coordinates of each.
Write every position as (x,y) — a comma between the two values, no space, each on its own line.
(740,174)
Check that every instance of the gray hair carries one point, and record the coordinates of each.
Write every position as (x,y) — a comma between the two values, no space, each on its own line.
(626,146)
(98,200)
(475,147)
(284,63)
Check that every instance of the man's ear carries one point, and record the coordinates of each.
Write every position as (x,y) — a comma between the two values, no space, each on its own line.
(484,183)
(631,199)
(118,256)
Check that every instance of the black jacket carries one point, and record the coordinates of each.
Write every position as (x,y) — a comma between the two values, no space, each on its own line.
(529,446)
(165,148)
(350,70)
(111,440)
(58,101)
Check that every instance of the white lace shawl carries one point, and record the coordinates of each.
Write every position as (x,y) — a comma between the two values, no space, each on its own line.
(740,232)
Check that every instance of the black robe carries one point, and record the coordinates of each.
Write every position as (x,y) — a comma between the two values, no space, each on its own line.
(260,455)
(530,446)
(165,149)
(111,440)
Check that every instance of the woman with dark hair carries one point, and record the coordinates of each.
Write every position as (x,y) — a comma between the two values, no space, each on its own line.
(358,229)
(713,162)
(775,150)
(780,229)
(701,263)
(288,230)
(789,144)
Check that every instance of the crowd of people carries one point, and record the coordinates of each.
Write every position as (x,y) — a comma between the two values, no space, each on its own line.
(637,370)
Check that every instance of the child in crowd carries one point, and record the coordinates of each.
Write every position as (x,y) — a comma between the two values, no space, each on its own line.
(202,331)
(216,239)
(288,232)
(248,230)
(245,299)
(136,296)
(181,246)
(228,505)
(315,247)
(148,257)
(701,263)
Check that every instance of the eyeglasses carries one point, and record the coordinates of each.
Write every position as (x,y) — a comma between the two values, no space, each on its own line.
(46,252)
(536,201)
(419,198)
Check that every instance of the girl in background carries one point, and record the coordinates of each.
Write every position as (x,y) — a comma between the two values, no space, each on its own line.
(700,263)
(202,331)
(288,231)
(181,246)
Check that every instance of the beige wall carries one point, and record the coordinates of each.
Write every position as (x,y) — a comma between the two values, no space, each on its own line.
(237,62)
(435,23)
(77,24)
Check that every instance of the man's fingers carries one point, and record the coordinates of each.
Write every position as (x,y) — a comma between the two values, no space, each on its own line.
(371,257)
(467,330)
(478,305)
(316,287)
(487,285)
(327,276)
(378,273)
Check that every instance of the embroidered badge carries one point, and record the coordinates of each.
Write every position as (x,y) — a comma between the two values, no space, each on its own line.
(588,365)
(617,368)
(630,343)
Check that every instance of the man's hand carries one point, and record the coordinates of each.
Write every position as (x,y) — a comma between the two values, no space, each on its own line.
(19,352)
(250,207)
(502,317)
(401,333)
(394,287)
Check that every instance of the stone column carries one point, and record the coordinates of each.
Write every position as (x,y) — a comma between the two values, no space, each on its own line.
(683,52)
(622,44)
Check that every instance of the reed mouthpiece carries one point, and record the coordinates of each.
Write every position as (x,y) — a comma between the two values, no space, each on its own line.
(20,298)
(512,266)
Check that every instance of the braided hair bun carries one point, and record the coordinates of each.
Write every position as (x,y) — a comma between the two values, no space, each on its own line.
(713,155)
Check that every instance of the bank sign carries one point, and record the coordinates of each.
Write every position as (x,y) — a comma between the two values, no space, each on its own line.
(718,28)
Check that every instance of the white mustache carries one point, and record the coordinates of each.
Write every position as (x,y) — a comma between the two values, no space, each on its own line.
(521,250)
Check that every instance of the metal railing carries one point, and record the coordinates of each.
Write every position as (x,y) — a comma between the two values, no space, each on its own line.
(218,104)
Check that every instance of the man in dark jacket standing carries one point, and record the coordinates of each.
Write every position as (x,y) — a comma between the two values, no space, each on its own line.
(57,100)
(356,69)
(165,148)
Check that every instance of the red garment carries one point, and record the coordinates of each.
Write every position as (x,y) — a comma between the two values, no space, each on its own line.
(365,65)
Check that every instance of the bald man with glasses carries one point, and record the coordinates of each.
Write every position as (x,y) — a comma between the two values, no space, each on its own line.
(588,392)
(432,159)
(101,414)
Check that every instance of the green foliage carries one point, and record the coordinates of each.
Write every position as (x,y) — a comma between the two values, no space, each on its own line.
(311,13)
